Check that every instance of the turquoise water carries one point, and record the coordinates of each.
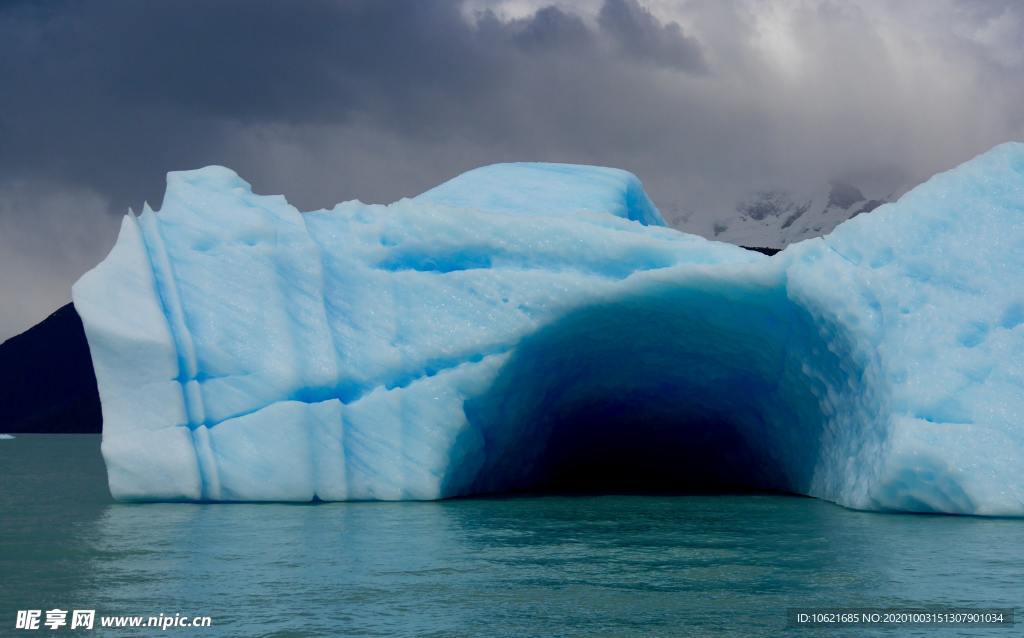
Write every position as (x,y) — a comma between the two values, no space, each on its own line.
(537,566)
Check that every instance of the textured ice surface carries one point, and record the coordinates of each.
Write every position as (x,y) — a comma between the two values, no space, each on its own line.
(534,325)
(548,189)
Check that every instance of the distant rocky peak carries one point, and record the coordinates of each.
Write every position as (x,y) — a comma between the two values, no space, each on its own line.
(776,217)
(843,194)
(778,204)
(766,203)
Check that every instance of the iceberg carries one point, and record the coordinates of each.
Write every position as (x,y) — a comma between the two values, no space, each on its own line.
(537,326)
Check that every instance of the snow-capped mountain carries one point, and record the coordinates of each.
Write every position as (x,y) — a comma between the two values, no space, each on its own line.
(777,218)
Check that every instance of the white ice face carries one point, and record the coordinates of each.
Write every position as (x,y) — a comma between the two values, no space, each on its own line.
(536,324)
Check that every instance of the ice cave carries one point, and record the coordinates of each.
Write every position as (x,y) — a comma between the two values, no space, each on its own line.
(537,327)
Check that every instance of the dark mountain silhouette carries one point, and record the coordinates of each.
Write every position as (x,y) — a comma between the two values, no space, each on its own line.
(47,384)
(762,249)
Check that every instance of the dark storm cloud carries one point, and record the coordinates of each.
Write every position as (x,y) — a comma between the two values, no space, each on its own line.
(327,101)
(645,38)
(113,94)
(549,27)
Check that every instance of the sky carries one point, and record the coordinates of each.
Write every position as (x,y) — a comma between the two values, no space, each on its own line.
(705,100)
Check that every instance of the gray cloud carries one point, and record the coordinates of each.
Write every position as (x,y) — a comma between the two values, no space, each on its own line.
(113,95)
(325,101)
(48,235)
(643,37)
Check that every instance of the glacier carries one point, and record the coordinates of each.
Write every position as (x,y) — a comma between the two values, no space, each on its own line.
(537,326)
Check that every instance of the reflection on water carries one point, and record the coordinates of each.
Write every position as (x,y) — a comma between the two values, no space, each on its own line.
(614,565)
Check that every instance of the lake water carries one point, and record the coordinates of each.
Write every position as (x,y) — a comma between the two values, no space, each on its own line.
(530,566)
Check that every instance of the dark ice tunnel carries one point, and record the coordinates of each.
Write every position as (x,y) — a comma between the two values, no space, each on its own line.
(701,387)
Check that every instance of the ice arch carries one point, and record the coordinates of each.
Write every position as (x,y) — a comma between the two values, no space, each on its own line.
(530,324)
(701,384)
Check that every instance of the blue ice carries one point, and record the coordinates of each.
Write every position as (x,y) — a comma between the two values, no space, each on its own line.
(536,326)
